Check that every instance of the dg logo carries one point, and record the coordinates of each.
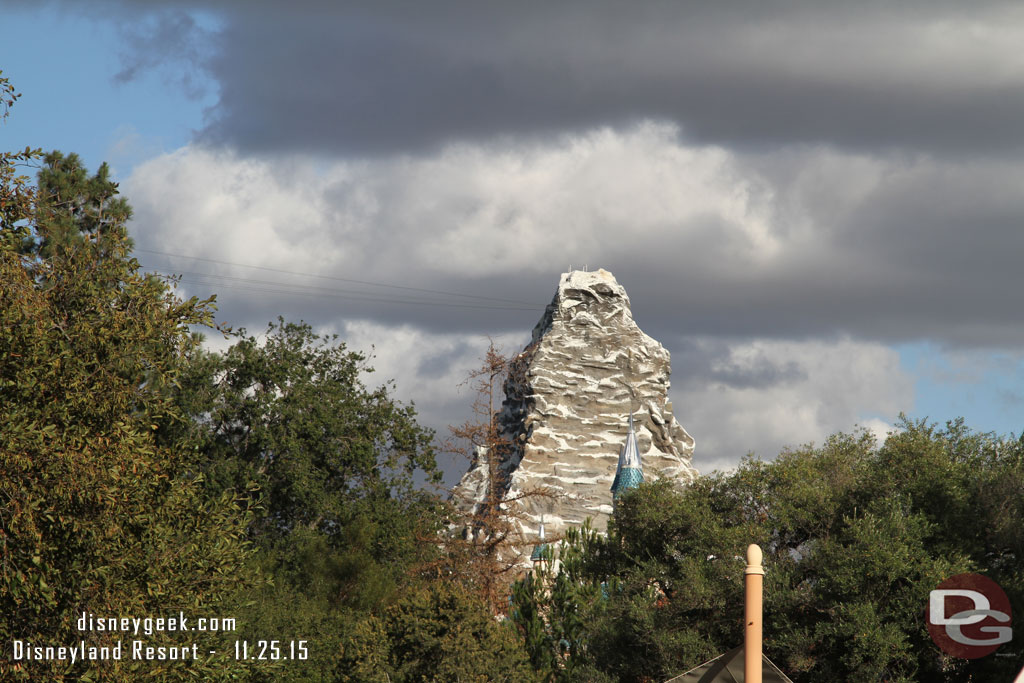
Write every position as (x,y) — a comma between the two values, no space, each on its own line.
(969,616)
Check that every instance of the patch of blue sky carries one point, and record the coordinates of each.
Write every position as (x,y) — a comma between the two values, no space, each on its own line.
(78,105)
(984,387)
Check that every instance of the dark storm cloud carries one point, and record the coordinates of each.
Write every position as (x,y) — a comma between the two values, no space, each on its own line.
(832,178)
(702,364)
(171,42)
(392,76)
(809,243)
(931,251)
(438,364)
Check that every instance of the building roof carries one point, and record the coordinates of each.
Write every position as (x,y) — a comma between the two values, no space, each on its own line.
(728,668)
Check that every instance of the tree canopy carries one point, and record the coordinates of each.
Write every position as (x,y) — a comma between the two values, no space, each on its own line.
(141,474)
(855,537)
(326,466)
(97,515)
(292,415)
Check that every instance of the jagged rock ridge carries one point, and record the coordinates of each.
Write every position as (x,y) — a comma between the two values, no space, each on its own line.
(567,403)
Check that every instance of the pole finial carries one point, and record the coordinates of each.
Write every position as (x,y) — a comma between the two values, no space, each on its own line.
(755,560)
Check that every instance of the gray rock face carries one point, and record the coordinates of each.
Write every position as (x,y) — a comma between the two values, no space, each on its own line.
(567,404)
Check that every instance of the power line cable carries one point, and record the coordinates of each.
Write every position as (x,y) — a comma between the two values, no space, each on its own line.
(339,279)
(295,286)
(265,287)
(288,286)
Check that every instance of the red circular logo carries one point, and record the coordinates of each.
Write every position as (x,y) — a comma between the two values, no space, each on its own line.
(969,616)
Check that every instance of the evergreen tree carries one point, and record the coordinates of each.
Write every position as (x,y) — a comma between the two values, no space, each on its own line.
(443,634)
(73,208)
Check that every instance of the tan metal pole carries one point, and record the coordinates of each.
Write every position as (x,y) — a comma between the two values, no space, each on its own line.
(753,579)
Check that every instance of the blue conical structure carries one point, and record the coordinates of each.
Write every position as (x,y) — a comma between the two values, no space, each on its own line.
(540,548)
(630,473)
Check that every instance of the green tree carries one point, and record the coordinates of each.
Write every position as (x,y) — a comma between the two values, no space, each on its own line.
(338,520)
(17,196)
(443,634)
(555,610)
(73,207)
(97,516)
(855,538)
(292,415)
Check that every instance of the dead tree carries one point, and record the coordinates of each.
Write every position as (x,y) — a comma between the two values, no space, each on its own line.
(487,547)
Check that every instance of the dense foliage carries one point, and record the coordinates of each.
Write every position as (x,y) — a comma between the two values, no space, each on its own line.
(327,466)
(439,633)
(97,516)
(855,538)
(16,192)
(292,415)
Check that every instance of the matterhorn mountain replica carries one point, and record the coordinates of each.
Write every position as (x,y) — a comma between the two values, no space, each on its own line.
(568,401)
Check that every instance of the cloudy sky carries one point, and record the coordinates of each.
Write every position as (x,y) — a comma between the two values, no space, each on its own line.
(817,207)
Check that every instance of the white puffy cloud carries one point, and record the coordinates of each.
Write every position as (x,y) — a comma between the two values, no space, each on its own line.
(428,369)
(216,204)
(802,241)
(763,395)
(472,210)
(748,267)
(757,395)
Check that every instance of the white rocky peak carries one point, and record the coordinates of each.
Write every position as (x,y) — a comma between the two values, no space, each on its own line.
(567,405)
